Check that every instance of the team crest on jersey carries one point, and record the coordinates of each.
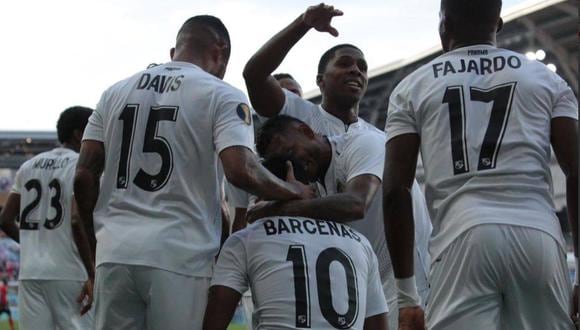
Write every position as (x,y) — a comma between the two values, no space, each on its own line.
(244,113)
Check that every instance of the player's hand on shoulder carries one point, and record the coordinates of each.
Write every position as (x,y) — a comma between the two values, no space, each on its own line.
(411,318)
(85,299)
(304,191)
(320,16)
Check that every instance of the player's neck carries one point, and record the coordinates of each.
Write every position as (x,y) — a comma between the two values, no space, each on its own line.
(71,146)
(458,43)
(347,113)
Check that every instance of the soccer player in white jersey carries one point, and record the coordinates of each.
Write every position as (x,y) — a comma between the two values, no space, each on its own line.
(483,118)
(56,265)
(157,138)
(238,198)
(303,273)
(347,168)
(342,79)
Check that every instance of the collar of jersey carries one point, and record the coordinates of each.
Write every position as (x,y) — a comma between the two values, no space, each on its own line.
(336,120)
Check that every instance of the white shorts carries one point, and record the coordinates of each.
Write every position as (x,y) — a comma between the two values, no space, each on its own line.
(51,304)
(500,277)
(141,297)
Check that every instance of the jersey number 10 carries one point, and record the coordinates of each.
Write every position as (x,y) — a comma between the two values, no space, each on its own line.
(501,96)
(297,255)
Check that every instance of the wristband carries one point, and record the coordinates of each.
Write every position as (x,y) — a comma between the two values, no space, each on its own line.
(407,295)
(577,277)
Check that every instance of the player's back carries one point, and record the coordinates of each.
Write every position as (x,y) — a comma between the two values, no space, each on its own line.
(159,192)
(47,249)
(483,114)
(307,273)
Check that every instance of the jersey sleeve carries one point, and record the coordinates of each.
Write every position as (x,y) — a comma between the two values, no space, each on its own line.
(232,125)
(365,155)
(376,302)
(230,270)
(237,197)
(17,186)
(95,129)
(297,107)
(566,104)
(401,117)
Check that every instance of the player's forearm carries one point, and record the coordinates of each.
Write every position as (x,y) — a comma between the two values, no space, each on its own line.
(269,57)
(8,217)
(239,220)
(11,230)
(83,246)
(338,208)
(572,205)
(86,188)
(399,229)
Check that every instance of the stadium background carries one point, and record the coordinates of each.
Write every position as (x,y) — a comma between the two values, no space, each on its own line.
(545,31)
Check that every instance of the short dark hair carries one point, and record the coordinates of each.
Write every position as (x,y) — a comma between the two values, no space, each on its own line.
(201,26)
(270,128)
(71,119)
(480,15)
(280,76)
(329,54)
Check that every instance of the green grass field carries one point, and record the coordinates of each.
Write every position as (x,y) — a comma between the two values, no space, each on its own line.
(4,325)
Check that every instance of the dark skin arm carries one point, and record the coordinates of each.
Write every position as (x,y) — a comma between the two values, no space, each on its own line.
(243,170)
(399,173)
(376,322)
(564,139)
(239,219)
(86,185)
(87,257)
(221,305)
(265,93)
(8,217)
(347,206)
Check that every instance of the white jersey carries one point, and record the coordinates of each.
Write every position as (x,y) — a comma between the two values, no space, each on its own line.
(47,247)
(326,124)
(159,203)
(483,115)
(303,273)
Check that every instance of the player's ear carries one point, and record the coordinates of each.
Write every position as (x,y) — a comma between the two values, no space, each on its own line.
(78,134)
(499,25)
(171,52)
(320,81)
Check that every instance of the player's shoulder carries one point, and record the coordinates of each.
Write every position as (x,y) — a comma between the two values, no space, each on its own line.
(362,139)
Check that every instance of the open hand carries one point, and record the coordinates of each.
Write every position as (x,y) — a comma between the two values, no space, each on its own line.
(320,16)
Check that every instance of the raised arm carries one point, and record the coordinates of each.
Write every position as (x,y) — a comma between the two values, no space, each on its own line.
(265,93)
(399,174)
(349,205)
(243,170)
(86,184)
(8,216)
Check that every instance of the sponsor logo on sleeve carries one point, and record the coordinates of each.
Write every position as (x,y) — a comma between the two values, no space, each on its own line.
(244,113)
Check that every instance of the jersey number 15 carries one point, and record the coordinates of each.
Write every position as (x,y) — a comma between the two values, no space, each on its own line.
(153,143)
